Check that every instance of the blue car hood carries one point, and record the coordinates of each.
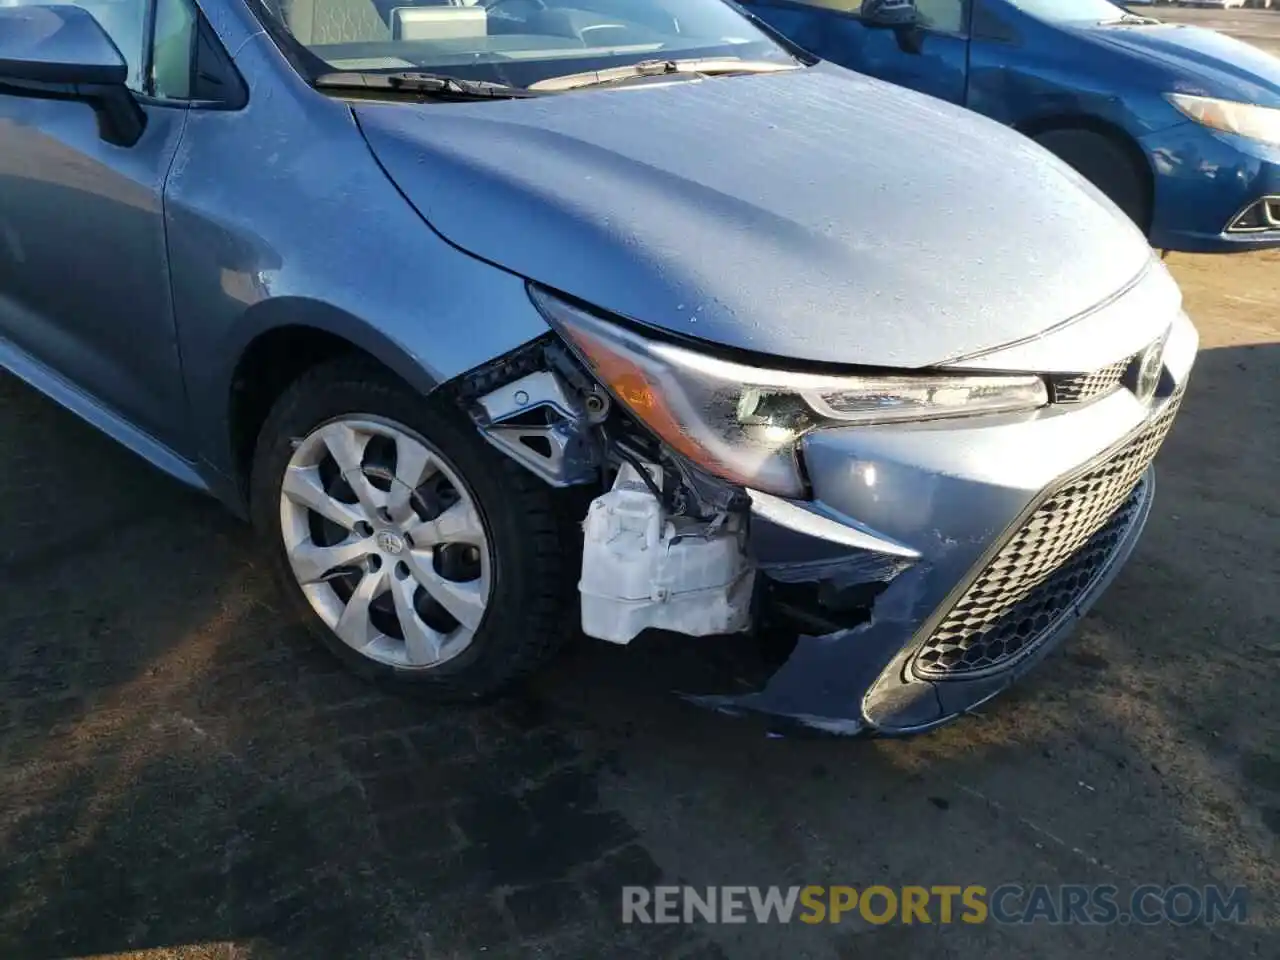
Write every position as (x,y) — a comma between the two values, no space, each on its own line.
(1199,61)
(813,214)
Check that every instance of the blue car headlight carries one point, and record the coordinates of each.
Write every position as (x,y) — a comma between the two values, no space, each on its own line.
(740,421)
(1230,116)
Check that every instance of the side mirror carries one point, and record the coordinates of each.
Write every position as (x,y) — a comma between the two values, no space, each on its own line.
(62,53)
(888,14)
(898,16)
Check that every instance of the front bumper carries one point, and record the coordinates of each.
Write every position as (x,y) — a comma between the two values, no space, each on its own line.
(1204,181)
(977,546)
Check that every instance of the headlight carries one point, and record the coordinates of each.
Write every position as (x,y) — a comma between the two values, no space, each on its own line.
(741,422)
(1246,119)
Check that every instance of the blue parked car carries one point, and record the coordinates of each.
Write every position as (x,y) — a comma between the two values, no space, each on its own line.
(1180,126)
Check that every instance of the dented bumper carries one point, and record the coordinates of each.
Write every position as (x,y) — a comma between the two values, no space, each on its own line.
(937,563)
(929,564)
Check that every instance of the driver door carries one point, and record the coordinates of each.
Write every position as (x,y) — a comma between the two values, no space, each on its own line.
(832,30)
(84,278)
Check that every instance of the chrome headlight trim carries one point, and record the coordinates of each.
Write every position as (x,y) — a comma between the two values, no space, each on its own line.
(742,421)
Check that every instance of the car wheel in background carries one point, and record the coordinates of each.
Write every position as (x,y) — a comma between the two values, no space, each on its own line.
(416,552)
(1108,166)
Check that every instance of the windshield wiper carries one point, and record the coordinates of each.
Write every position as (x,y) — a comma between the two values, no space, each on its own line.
(432,86)
(702,66)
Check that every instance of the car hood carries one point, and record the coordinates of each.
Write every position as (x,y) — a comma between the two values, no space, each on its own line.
(1199,61)
(813,214)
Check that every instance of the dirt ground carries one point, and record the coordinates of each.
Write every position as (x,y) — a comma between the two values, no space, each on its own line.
(182,776)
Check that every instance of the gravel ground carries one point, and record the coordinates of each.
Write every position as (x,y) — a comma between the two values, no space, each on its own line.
(181,775)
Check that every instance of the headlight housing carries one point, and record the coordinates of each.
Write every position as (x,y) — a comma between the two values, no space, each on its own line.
(742,422)
(1230,116)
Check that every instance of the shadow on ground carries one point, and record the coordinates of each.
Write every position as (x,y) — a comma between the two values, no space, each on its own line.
(182,767)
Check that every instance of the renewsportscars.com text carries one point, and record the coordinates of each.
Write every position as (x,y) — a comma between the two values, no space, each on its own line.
(941,904)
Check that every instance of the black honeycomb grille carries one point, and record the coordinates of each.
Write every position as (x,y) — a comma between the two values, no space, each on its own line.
(1066,545)
(1079,388)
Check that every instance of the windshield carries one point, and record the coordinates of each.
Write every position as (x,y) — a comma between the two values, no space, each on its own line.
(1062,11)
(514,42)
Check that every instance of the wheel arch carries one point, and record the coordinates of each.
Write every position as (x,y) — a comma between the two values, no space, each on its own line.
(1036,126)
(278,341)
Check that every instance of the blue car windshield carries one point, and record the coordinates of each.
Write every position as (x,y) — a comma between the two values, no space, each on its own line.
(1069,11)
(514,42)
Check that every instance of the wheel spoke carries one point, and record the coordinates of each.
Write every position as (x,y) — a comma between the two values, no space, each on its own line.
(422,644)
(302,486)
(414,463)
(347,444)
(354,626)
(459,524)
(465,601)
(311,561)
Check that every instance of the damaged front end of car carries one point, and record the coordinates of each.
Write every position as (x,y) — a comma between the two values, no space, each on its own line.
(858,544)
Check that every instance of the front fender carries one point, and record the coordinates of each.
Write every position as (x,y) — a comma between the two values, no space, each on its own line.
(278,215)
(1036,73)
(428,344)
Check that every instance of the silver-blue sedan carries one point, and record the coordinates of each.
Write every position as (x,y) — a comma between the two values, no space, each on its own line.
(510,317)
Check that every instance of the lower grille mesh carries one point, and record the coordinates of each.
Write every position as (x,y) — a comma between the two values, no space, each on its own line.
(1067,543)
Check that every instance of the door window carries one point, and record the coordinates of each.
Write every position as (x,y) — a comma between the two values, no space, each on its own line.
(840,6)
(173,49)
(943,16)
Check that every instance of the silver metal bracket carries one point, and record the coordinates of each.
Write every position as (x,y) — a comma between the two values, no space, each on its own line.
(544,427)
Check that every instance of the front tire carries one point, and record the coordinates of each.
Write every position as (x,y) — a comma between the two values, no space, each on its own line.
(414,551)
